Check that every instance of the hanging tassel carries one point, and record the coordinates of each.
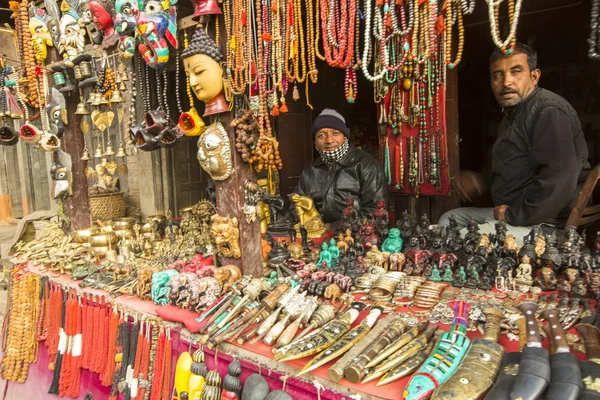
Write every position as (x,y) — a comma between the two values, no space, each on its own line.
(275,111)
(296,93)
(266,37)
(283,108)
(244,20)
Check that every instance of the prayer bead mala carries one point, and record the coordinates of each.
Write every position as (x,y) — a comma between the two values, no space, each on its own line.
(246,129)
(20,348)
(41,325)
(338,31)
(514,11)
(461,36)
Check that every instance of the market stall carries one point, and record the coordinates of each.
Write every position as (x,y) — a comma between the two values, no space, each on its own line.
(246,293)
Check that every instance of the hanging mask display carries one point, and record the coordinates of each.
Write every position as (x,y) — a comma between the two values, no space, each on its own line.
(156,25)
(126,12)
(61,174)
(190,123)
(53,22)
(214,152)
(86,20)
(72,35)
(103,14)
(201,60)
(226,234)
(40,36)
(57,112)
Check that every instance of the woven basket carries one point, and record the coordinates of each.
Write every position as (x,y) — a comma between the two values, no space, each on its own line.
(107,207)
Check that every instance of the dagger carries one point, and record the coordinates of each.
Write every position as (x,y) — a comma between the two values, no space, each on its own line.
(345,343)
(534,368)
(408,367)
(588,316)
(403,340)
(565,379)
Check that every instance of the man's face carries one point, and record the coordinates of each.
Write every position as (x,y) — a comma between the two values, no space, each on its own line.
(328,139)
(511,79)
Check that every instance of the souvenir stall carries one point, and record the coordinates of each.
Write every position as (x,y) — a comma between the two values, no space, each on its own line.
(236,299)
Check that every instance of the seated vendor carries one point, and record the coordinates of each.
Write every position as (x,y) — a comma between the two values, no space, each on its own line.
(340,170)
(539,158)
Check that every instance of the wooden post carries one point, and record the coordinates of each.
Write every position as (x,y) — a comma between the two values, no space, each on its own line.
(230,199)
(76,206)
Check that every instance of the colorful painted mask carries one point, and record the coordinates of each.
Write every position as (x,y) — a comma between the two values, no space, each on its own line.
(103,14)
(40,36)
(61,174)
(57,112)
(214,152)
(126,14)
(85,14)
(72,34)
(156,25)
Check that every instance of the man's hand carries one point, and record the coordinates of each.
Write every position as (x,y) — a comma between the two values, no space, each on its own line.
(500,211)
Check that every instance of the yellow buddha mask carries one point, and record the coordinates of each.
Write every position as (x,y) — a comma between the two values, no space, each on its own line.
(206,76)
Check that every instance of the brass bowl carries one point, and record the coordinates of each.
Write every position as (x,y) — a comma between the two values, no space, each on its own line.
(83,235)
(160,218)
(103,239)
(108,227)
(123,223)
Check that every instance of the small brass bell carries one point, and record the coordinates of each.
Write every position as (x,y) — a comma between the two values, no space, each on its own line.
(116,97)
(122,86)
(121,152)
(103,162)
(86,155)
(98,152)
(82,109)
(103,100)
(97,99)
(109,150)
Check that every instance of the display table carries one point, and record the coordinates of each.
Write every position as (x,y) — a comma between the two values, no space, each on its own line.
(254,359)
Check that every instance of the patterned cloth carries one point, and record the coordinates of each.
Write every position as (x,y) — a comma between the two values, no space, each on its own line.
(332,157)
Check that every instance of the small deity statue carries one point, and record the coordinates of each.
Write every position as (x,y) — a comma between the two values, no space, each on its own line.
(461,278)
(473,281)
(382,219)
(500,280)
(397,261)
(405,225)
(308,215)
(534,233)
(540,245)
(348,237)
(424,224)
(333,250)
(369,238)
(448,274)
(523,277)
(579,288)
(393,243)
(374,257)
(564,288)
(437,245)
(452,228)
(350,218)
(435,274)
(325,256)
(472,235)
(341,243)
(500,235)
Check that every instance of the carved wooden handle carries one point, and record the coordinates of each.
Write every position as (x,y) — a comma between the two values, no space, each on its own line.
(493,317)
(557,333)
(533,334)
(286,337)
(591,337)
(522,332)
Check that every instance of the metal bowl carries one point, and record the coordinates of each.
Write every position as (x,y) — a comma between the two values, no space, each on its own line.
(160,218)
(83,235)
(103,239)
(123,223)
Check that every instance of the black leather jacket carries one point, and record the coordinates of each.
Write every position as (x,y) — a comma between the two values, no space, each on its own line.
(357,173)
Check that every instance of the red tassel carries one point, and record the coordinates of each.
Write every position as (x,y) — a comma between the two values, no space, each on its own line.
(283,108)
(253,68)
(244,20)
(266,37)
(275,111)
(440,25)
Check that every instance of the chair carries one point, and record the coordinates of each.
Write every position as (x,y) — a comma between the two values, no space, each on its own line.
(583,215)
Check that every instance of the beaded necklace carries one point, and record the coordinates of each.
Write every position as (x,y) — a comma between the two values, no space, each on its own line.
(338,31)
(367,51)
(593,52)
(507,46)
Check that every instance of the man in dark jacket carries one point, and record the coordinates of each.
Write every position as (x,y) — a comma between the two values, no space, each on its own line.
(339,171)
(540,154)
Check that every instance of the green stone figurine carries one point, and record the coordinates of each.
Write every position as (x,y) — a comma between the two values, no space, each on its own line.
(325,256)
(461,278)
(448,274)
(393,243)
(435,274)
(334,251)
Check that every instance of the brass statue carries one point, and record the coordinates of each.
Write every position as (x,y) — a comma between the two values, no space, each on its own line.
(308,215)
(226,233)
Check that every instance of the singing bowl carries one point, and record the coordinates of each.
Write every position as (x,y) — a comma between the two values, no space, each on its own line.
(123,223)
(103,239)
(121,233)
(83,235)
(160,218)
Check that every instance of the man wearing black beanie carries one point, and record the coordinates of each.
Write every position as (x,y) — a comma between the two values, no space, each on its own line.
(339,171)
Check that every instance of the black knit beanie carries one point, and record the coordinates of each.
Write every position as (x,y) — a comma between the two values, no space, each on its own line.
(329,118)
